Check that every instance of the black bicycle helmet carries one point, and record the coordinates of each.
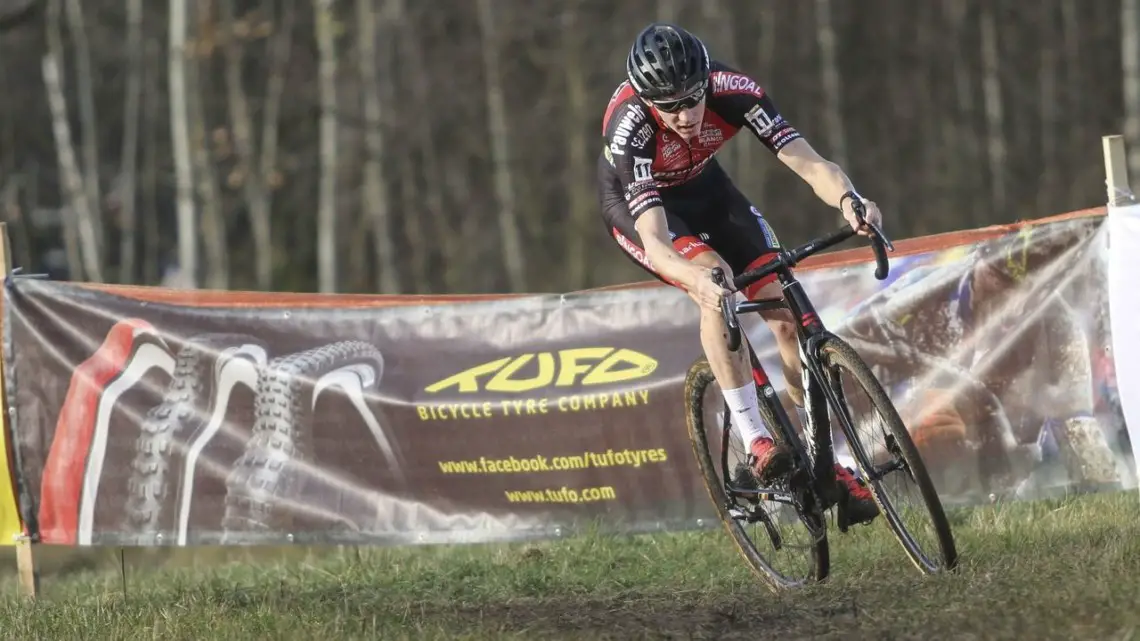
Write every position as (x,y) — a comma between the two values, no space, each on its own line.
(666,62)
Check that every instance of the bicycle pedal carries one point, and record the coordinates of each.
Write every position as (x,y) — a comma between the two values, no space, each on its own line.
(842,522)
(845,520)
(743,477)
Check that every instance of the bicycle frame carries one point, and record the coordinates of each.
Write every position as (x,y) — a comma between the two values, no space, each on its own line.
(818,396)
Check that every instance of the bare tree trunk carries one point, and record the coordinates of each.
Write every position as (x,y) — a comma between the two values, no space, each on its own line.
(14,214)
(90,125)
(280,51)
(205,173)
(149,199)
(326,216)
(458,182)
(926,105)
(411,48)
(128,240)
(180,133)
(1047,197)
(69,222)
(77,212)
(17,184)
(8,161)
(375,189)
(898,92)
(757,176)
(250,174)
(578,117)
(212,221)
(832,90)
(1074,94)
(358,253)
(959,132)
(31,204)
(416,229)
(1130,56)
(995,122)
(10,201)
(501,151)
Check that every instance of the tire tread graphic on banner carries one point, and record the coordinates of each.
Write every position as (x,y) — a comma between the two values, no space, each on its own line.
(266,472)
(190,400)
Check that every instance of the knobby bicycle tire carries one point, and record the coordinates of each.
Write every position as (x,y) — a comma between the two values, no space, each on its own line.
(837,353)
(697,381)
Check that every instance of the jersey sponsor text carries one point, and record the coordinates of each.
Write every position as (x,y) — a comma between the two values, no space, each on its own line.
(727,82)
(633,116)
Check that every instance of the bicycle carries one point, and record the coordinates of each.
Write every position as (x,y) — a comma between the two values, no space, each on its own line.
(810,489)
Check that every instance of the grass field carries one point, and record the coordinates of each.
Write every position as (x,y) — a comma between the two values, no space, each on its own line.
(1060,569)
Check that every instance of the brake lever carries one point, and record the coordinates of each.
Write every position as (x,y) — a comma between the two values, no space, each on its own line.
(881,236)
(727,311)
(880,244)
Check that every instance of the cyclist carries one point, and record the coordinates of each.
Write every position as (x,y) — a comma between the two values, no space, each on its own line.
(671,208)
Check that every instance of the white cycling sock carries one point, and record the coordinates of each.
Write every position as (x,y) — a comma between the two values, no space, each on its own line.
(843,453)
(745,408)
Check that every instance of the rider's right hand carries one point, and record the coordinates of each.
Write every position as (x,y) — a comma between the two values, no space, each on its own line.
(707,293)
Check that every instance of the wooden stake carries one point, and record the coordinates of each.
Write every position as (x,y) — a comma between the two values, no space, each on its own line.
(26,567)
(29,576)
(1116,171)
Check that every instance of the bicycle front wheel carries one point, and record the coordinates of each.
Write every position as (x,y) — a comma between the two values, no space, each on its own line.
(783,545)
(889,460)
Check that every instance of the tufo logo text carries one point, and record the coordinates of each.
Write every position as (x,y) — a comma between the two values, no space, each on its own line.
(583,367)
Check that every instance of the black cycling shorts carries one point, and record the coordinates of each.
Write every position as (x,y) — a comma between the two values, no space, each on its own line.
(707,213)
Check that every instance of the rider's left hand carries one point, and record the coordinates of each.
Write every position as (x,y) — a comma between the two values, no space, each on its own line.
(872,215)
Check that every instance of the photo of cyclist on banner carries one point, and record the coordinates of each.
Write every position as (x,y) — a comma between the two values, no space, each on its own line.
(992,363)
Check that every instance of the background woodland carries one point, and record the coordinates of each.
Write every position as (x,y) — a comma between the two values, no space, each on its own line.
(449,146)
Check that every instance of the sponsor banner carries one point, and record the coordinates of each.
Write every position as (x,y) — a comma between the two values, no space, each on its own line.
(1124,303)
(154,422)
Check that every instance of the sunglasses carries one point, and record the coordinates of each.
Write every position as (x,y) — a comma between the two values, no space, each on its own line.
(680,104)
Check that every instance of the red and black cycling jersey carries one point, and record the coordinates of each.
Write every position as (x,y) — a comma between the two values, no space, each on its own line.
(647,155)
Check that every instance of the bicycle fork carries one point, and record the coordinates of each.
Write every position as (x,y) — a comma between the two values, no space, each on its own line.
(821,399)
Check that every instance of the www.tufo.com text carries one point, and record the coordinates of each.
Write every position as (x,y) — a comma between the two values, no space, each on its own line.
(562,495)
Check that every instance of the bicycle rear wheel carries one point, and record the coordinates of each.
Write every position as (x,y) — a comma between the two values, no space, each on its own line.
(917,519)
(776,539)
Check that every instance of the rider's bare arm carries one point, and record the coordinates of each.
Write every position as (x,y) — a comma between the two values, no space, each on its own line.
(654,232)
(745,103)
(825,177)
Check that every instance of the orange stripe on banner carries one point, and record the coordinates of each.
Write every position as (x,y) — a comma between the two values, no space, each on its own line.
(76,430)
(10,526)
(855,255)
